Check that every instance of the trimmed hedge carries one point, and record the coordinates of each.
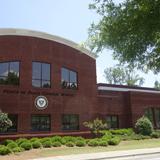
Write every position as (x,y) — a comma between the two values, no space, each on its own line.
(70,144)
(36,144)
(93,143)
(114,141)
(12,145)
(80,143)
(4,150)
(56,144)
(26,145)
(17,149)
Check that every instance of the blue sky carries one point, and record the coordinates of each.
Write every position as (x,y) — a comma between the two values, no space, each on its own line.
(66,18)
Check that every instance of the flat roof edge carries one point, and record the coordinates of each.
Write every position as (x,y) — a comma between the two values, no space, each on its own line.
(43,35)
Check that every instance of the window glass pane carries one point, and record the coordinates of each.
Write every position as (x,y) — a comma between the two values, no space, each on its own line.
(46,84)
(70,122)
(40,123)
(36,70)
(36,83)
(45,71)
(14,119)
(157,117)
(4,69)
(65,75)
(149,114)
(14,68)
(73,77)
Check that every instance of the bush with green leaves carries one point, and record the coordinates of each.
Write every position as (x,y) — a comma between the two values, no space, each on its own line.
(67,139)
(80,143)
(114,141)
(56,139)
(5,122)
(96,126)
(17,149)
(70,144)
(26,145)
(36,144)
(125,132)
(34,139)
(103,143)
(47,144)
(4,150)
(21,140)
(144,126)
(56,144)
(155,134)
(93,142)
(12,145)
(7,141)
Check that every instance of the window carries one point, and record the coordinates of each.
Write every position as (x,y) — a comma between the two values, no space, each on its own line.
(68,79)
(13,128)
(153,115)
(40,123)
(41,75)
(70,122)
(112,121)
(9,73)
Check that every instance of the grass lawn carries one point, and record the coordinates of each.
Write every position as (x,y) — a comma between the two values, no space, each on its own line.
(124,145)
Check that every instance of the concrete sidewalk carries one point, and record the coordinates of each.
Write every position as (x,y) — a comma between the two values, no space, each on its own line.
(105,155)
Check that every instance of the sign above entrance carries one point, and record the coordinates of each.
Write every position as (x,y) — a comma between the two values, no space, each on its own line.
(41,102)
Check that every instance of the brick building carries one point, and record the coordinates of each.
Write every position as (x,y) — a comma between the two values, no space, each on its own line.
(48,86)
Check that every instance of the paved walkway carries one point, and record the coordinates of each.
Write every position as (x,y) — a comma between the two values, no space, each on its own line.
(105,155)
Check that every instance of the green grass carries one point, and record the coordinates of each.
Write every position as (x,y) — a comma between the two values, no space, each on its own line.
(124,145)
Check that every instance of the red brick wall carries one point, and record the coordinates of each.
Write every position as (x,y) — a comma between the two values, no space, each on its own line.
(27,49)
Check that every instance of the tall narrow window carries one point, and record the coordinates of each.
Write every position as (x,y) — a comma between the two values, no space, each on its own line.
(9,73)
(41,75)
(68,79)
(112,121)
(40,123)
(70,122)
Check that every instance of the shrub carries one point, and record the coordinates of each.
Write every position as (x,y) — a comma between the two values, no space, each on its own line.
(96,126)
(80,143)
(4,150)
(56,139)
(155,135)
(34,139)
(144,126)
(103,143)
(67,139)
(56,144)
(47,144)
(127,132)
(5,122)
(26,145)
(12,145)
(93,143)
(45,139)
(36,144)
(7,141)
(69,144)
(17,149)
(114,141)
(21,140)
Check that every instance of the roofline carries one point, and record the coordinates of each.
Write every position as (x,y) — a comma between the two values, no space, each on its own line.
(43,35)
(123,88)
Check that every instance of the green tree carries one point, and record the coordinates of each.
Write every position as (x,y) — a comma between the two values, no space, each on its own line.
(5,122)
(156,85)
(131,29)
(96,126)
(123,75)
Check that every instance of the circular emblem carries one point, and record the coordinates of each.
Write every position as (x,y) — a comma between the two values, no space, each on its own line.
(41,102)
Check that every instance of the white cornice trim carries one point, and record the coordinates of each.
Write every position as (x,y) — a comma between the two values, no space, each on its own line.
(43,35)
(125,89)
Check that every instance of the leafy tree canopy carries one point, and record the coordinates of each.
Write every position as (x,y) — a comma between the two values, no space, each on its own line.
(131,29)
(123,75)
